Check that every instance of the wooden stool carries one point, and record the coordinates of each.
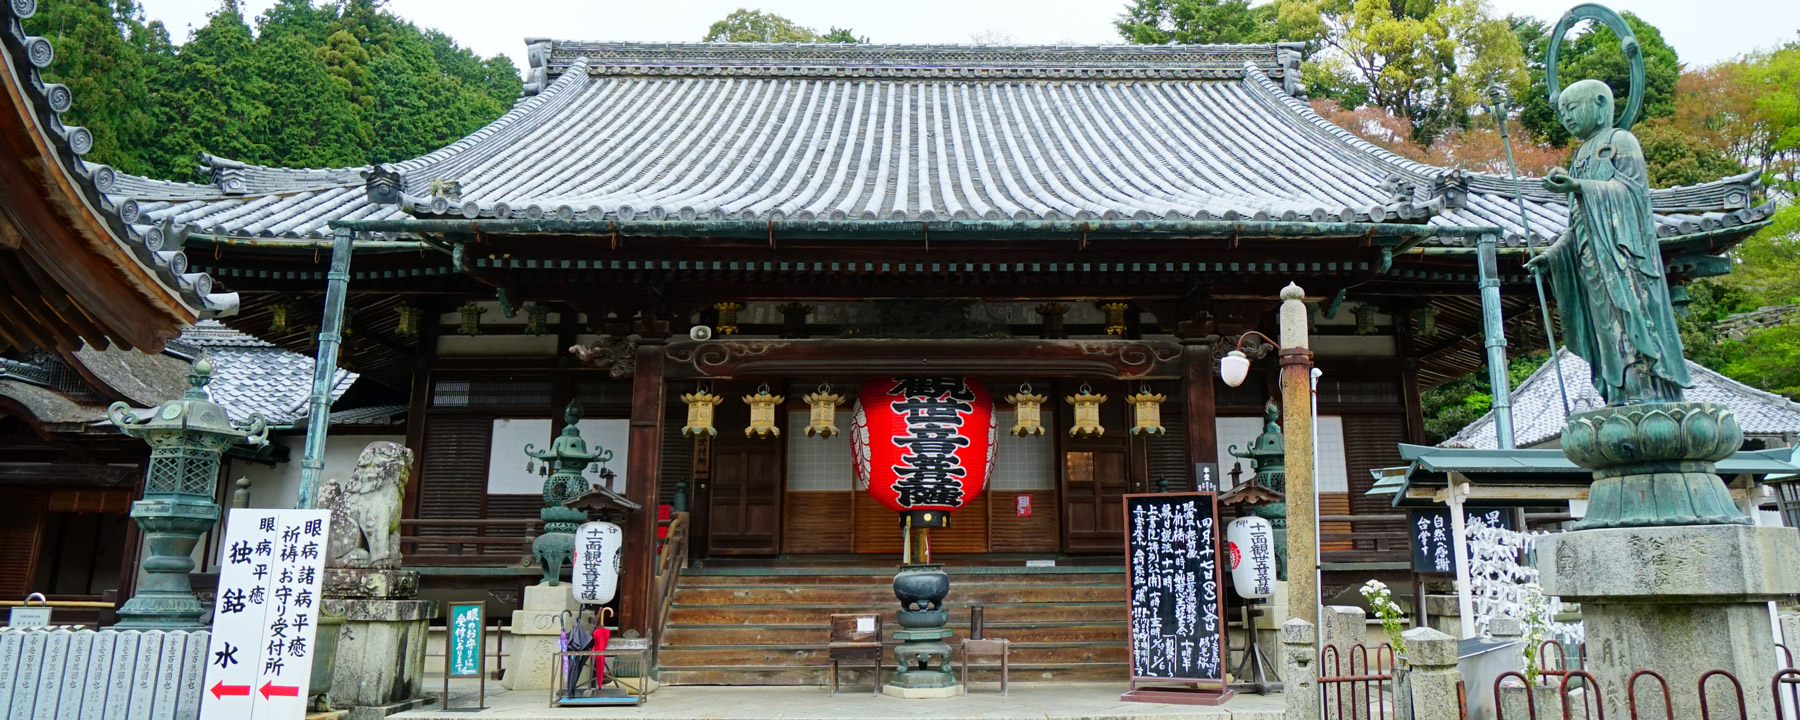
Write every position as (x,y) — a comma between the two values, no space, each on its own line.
(857,639)
(989,647)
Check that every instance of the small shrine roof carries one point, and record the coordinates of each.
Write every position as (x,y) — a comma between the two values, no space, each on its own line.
(1539,416)
(250,375)
(634,132)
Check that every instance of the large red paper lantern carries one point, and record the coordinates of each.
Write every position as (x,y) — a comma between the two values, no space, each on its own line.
(924,444)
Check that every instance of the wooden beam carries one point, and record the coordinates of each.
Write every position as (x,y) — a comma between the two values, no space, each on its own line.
(1199,412)
(643,474)
(1135,359)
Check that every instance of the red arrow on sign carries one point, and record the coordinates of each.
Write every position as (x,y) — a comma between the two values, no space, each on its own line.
(220,689)
(270,688)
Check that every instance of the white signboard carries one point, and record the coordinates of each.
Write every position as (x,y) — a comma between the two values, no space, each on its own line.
(1251,543)
(266,615)
(598,552)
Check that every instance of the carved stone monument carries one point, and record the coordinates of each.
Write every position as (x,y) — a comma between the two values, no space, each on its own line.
(1670,574)
(380,668)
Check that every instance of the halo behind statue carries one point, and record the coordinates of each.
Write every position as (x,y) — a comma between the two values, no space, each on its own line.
(1628,44)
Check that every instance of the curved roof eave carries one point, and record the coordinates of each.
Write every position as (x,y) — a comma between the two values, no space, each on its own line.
(122,290)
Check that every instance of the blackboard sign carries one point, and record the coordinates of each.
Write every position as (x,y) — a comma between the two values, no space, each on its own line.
(1177,611)
(1430,535)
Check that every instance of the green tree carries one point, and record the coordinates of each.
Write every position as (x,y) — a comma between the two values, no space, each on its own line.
(213,107)
(842,35)
(1595,53)
(311,120)
(1676,158)
(100,58)
(1450,407)
(1160,22)
(745,25)
(1424,60)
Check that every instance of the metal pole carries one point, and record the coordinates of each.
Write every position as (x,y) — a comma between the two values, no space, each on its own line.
(337,287)
(1497,109)
(1495,331)
(1297,427)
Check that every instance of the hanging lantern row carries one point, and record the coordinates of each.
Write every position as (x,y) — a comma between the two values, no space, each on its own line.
(1087,413)
(1148,408)
(762,414)
(1425,319)
(728,317)
(278,317)
(824,406)
(537,319)
(700,413)
(471,319)
(1365,319)
(1028,412)
(1115,317)
(408,325)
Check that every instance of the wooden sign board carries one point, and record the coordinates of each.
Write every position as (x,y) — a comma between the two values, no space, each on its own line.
(265,615)
(1176,607)
(466,643)
(1430,535)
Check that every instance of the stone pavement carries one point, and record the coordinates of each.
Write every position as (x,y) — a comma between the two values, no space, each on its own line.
(1028,701)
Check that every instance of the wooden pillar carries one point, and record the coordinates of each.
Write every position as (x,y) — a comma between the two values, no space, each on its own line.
(1409,374)
(643,473)
(1199,408)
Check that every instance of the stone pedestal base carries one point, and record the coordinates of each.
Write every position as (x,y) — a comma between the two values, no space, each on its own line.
(372,583)
(922,693)
(532,642)
(380,665)
(1678,600)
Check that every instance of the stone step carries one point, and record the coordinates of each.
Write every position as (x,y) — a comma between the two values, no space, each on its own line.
(861,679)
(1102,612)
(817,655)
(701,579)
(882,595)
(676,636)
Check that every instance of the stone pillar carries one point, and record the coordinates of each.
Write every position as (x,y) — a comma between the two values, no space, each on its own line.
(532,642)
(1444,614)
(1433,676)
(1300,670)
(380,663)
(1346,626)
(1680,600)
(1297,427)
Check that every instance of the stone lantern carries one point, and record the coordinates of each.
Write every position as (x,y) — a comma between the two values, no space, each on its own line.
(1268,459)
(567,456)
(186,436)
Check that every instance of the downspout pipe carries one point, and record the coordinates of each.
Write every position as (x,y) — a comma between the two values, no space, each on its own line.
(1493,328)
(337,290)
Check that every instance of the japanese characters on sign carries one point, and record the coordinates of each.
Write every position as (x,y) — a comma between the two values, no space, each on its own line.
(599,551)
(1432,539)
(1171,547)
(1250,541)
(265,617)
(1206,476)
(467,629)
(924,443)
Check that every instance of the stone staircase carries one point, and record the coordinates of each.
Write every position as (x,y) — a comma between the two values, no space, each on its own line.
(770,626)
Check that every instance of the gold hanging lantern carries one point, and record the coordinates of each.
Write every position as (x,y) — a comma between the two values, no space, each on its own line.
(762,414)
(471,319)
(1148,411)
(1425,320)
(728,317)
(1365,319)
(824,405)
(700,404)
(278,317)
(537,319)
(1028,412)
(1087,413)
(408,325)
(1115,317)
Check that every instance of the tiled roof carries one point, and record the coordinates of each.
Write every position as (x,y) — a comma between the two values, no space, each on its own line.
(47,102)
(876,132)
(1538,415)
(250,375)
(393,414)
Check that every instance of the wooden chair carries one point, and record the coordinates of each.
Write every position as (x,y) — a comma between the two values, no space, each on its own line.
(855,639)
(990,647)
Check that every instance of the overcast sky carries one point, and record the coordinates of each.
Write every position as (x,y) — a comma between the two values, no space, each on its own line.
(1702,31)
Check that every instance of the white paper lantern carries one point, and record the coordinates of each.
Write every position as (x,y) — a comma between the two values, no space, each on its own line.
(599,550)
(1250,543)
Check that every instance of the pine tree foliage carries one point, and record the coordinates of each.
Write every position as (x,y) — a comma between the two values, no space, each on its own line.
(309,84)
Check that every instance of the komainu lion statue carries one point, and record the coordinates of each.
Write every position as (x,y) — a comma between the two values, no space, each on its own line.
(365,510)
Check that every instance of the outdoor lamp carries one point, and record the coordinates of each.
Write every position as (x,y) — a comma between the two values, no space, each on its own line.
(1028,412)
(1087,413)
(700,413)
(762,414)
(1235,366)
(823,404)
(1148,406)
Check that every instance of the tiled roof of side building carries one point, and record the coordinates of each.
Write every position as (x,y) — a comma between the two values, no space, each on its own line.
(872,132)
(1538,416)
(250,375)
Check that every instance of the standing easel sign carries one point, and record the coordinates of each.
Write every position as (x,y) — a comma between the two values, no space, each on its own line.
(266,615)
(464,655)
(1177,610)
